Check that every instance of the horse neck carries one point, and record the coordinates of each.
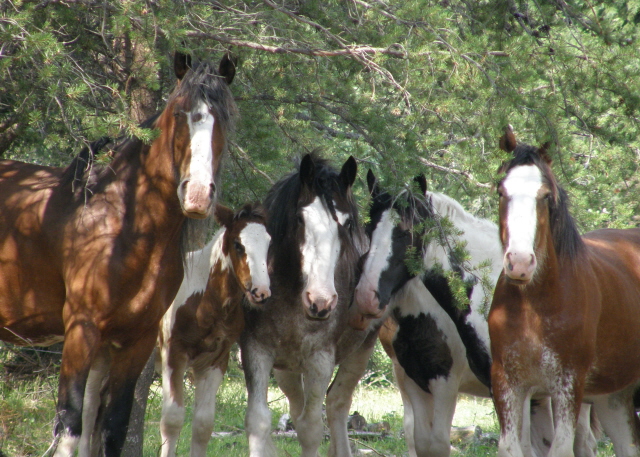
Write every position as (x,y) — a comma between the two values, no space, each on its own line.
(481,235)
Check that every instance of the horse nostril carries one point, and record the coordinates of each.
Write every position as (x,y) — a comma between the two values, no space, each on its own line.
(323,313)
(212,190)
(376,294)
(313,308)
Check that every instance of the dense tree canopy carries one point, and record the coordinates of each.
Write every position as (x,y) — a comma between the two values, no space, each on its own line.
(418,86)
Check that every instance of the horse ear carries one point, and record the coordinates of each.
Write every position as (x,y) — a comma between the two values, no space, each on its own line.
(181,64)
(223,215)
(508,141)
(544,152)
(227,67)
(348,172)
(422,182)
(372,183)
(307,170)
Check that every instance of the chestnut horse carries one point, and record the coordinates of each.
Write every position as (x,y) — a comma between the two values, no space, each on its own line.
(303,330)
(438,350)
(92,255)
(206,318)
(565,316)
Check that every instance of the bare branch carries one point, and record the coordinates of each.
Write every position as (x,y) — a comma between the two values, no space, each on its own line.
(466,174)
(347,51)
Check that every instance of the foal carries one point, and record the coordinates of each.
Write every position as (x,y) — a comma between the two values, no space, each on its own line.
(206,318)
(565,316)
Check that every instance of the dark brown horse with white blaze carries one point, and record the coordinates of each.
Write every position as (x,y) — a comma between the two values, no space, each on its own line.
(206,319)
(93,254)
(565,316)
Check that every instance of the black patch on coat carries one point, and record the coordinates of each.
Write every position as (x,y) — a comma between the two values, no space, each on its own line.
(477,353)
(422,349)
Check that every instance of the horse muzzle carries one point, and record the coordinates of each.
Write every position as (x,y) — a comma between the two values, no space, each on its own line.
(258,295)
(520,266)
(319,306)
(196,199)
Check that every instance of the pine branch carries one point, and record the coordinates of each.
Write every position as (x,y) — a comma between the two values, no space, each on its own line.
(454,171)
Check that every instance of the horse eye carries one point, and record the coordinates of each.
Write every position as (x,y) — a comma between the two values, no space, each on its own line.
(197,117)
(239,247)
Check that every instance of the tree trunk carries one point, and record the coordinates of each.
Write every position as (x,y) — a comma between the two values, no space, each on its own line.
(135,434)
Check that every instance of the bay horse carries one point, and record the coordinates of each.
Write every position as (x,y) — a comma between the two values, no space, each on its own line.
(565,316)
(438,349)
(92,255)
(303,332)
(206,319)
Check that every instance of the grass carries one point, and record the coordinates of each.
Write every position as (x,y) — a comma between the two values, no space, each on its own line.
(27,408)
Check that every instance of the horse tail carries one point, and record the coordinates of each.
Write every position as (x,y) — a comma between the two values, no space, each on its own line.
(82,162)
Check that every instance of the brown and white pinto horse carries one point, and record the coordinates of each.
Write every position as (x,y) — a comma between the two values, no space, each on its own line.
(93,254)
(206,318)
(565,316)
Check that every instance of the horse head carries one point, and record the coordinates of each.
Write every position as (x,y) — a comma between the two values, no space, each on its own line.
(528,195)
(195,125)
(390,230)
(246,243)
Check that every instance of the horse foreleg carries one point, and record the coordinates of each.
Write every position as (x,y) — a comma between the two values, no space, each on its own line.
(257,366)
(81,342)
(126,365)
(317,375)
(172,418)
(92,400)
(618,418)
(509,402)
(340,395)
(207,383)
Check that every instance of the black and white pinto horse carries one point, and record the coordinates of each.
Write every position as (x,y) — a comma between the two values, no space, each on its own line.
(302,332)
(438,349)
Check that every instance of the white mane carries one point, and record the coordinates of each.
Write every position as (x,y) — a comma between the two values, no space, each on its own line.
(482,243)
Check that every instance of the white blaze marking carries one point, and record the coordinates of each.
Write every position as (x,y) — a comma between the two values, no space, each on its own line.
(380,250)
(521,186)
(255,239)
(320,249)
(200,168)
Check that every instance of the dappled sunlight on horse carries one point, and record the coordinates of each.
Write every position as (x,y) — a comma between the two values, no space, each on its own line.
(94,254)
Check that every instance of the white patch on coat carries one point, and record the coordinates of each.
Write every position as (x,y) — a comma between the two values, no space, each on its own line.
(200,168)
(320,249)
(255,239)
(521,186)
(380,250)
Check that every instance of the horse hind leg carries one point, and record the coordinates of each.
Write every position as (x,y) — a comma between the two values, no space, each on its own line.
(291,385)
(207,382)
(340,395)
(587,429)
(309,424)
(91,407)
(617,415)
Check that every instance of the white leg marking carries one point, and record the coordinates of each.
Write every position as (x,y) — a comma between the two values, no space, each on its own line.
(207,384)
